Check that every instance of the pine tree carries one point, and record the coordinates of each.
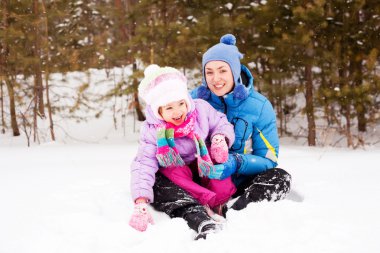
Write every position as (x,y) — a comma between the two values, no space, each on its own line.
(271,52)
(7,70)
(327,50)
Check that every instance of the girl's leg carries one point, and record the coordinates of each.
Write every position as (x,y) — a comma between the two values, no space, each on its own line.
(177,203)
(183,177)
(223,189)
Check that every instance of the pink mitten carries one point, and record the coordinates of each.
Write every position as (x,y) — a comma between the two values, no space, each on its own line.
(141,217)
(219,148)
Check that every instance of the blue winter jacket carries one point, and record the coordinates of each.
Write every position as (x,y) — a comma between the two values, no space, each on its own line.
(255,126)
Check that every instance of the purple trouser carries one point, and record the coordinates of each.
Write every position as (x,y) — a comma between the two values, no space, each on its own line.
(212,192)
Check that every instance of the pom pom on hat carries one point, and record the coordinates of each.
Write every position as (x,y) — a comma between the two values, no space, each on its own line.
(161,86)
(151,69)
(228,39)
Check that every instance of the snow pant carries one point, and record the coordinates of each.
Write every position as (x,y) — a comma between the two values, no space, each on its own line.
(177,203)
(211,192)
(271,185)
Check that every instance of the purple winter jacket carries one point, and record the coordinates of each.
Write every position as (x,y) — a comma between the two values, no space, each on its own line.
(145,165)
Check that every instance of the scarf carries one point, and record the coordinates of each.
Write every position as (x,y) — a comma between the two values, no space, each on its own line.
(167,153)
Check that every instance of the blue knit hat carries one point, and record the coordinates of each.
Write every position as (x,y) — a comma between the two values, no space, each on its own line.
(225,51)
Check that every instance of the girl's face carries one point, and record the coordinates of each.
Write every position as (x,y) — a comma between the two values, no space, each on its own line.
(174,112)
(219,77)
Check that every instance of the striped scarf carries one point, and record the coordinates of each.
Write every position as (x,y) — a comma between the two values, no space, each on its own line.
(167,153)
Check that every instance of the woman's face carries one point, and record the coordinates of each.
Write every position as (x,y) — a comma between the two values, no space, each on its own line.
(219,77)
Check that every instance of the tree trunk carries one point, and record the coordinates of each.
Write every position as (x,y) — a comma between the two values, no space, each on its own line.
(12,107)
(357,75)
(325,99)
(3,125)
(270,87)
(279,106)
(151,32)
(51,123)
(330,112)
(347,115)
(131,34)
(311,137)
(37,66)
(4,51)
(140,114)
(345,103)
(3,62)
(120,7)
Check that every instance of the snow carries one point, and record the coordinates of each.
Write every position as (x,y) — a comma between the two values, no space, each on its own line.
(74,196)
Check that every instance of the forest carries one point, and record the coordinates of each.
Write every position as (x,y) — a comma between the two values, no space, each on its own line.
(323,53)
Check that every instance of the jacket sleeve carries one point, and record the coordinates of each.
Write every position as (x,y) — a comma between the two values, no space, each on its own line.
(145,165)
(265,144)
(219,124)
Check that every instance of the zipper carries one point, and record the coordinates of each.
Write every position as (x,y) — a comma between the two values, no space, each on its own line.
(224,104)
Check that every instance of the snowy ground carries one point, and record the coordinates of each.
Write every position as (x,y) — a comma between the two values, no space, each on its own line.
(74,196)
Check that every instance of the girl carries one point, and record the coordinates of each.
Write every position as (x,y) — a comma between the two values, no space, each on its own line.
(173,141)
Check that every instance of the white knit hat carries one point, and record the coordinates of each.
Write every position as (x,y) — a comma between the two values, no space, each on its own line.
(161,86)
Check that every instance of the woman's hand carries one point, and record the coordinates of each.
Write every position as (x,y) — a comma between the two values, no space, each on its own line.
(224,170)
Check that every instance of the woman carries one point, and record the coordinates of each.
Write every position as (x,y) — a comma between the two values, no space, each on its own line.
(228,86)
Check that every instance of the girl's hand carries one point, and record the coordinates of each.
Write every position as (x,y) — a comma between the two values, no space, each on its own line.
(141,217)
(219,148)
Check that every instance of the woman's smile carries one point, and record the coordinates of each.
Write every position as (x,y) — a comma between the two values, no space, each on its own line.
(219,77)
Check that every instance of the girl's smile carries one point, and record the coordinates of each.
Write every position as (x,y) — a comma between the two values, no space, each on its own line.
(174,112)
